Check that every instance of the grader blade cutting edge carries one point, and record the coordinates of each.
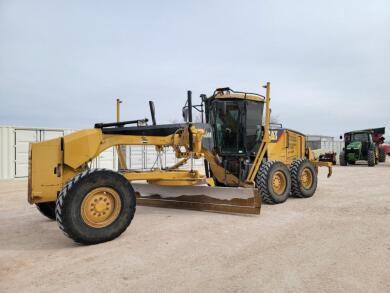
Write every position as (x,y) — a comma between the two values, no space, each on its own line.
(204,198)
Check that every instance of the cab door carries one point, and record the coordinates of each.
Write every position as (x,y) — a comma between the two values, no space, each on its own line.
(227,120)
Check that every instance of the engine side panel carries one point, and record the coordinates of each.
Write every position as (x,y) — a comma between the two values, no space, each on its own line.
(286,145)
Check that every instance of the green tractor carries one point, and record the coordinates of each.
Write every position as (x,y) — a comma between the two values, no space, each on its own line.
(360,145)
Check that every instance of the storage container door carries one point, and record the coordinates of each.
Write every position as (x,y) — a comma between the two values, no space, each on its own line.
(50,134)
(23,138)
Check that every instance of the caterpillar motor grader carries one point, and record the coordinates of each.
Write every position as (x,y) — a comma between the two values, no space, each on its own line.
(245,162)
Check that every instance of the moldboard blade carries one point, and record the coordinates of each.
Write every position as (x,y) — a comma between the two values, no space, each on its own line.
(204,198)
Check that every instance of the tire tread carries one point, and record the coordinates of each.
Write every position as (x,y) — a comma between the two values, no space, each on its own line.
(262,181)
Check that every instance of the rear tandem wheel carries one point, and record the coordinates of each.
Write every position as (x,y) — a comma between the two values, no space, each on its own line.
(303,178)
(274,182)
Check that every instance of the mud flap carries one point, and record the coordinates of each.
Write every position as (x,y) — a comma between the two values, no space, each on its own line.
(203,198)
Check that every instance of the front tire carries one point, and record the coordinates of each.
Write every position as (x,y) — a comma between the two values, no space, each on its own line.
(95,206)
(371,158)
(274,182)
(343,161)
(48,209)
(303,178)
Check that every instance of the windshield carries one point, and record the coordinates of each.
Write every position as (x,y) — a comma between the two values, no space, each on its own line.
(254,117)
(360,137)
(237,126)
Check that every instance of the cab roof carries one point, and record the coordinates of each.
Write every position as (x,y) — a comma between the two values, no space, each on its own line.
(227,93)
(380,130)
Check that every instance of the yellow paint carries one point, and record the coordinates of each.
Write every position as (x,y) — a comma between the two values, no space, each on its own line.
(288,147)
(100,207)
(45,170)
(279,182)
(307,178)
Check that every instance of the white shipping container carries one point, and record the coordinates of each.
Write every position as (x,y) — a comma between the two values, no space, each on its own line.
(7,152)
(135,157)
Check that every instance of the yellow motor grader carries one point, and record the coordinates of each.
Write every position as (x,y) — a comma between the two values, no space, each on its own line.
(245,163)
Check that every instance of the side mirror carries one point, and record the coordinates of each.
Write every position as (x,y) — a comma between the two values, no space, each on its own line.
(341,137)
(185,114)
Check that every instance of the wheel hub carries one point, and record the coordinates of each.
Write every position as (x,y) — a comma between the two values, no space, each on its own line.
(100,207)
(306,178)
(279,182)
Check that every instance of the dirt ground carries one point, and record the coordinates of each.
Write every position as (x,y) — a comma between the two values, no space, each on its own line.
(337,241)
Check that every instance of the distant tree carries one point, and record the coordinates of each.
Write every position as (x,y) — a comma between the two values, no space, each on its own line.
(175,121)
(275,119)
(196,118)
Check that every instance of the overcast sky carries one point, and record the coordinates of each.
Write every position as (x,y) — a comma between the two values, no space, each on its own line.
(63,63)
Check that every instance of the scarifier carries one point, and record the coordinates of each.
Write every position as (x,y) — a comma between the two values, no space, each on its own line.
(245,163)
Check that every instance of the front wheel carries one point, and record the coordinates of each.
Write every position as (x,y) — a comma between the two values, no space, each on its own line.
(274,182)
(95,206)
(303,178)
(371,158)
(343,161)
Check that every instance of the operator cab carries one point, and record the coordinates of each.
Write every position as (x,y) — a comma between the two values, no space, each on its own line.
(357,136)
(236,119)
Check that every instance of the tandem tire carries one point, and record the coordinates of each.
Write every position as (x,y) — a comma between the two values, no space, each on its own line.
(95,206)
(371,158)
(382,155)
(274,182)
(303,178)
(343,161)
(48,209)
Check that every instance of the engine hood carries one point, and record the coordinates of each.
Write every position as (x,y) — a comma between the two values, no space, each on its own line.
(355,145)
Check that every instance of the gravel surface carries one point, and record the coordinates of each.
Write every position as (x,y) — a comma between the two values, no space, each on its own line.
(337,241)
